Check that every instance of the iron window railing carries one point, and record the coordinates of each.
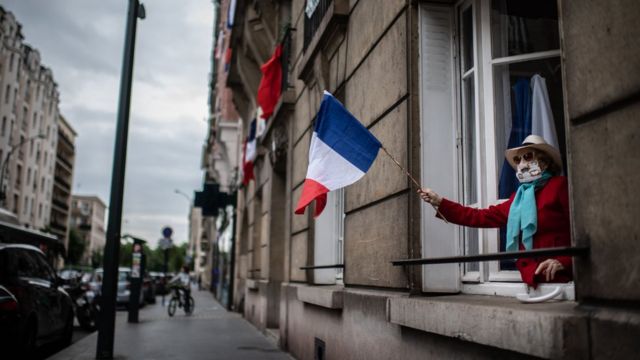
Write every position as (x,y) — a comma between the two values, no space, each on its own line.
(311,24)
(567,251)
(336,266)
(285,59)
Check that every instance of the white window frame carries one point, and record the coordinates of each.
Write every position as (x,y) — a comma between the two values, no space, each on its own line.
(489,280)
(329,240)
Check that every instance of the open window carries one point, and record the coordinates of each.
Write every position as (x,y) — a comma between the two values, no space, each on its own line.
(480,61)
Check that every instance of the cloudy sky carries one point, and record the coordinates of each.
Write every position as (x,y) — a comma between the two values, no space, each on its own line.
(82,42)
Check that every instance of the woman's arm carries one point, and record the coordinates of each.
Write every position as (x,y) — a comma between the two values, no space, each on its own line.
(493,217)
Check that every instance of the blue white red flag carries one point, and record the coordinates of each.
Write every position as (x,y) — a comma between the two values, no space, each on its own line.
(341,152)
(250,152)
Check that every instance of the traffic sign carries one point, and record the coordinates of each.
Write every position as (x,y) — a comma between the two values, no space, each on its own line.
(165,243)
(167,232)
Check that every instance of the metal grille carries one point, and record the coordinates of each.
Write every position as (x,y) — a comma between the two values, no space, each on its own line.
(284,60)
(311,24)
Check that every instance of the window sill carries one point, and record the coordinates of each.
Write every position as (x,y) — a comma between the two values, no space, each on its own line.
(512,289)
(547,330)
(330,297)
(333,24)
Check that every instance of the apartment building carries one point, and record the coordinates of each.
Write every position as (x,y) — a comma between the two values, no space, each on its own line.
(220,163)
(88,217)
(28,128)
(63,181)
(435,82)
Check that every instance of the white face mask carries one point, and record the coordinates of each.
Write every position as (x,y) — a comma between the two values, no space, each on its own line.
(528,171)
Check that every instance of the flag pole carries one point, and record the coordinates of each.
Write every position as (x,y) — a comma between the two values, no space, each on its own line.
(414,181)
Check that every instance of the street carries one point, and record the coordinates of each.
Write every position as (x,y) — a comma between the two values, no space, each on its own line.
(210,333)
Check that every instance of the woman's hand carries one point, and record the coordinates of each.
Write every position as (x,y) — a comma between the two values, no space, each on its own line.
(429,196)
(549,268)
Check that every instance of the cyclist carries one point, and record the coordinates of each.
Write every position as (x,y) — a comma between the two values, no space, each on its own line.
(182,283)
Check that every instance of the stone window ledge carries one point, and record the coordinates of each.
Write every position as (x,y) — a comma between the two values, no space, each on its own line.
(330,297)
(548,330)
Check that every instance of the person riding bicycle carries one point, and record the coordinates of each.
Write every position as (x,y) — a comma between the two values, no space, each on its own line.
(182,283)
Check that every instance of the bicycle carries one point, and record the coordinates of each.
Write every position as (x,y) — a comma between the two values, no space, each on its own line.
(177,301)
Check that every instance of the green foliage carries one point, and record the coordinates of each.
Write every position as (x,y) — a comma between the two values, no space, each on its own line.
(76,249)
(96,259)
(155,257)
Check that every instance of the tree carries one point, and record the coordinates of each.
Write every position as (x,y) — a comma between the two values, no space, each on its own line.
(77,247)
(96,258)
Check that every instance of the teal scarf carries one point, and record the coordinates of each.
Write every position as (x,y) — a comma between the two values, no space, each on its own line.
(523,214)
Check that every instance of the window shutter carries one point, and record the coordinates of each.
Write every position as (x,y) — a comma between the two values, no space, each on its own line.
(326,237)
(438,143)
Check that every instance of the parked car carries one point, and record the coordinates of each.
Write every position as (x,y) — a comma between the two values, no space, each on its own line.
(149,289)
(34,309)
(124,285)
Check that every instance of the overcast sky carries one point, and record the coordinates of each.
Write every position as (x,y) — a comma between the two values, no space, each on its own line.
(82,42)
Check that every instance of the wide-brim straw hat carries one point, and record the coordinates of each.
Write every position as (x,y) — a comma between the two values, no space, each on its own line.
(535,142)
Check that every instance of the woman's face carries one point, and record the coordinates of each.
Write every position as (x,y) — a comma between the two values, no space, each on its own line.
(530,165)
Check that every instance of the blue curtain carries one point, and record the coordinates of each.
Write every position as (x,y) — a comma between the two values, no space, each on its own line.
(520,129)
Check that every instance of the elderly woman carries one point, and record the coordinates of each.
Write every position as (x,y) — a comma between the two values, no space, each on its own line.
(536,215)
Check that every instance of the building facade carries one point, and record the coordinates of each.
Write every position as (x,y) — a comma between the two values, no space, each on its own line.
(220,163)
(29,127)
(63,181)
(439,83)
(88,217)
(195,234)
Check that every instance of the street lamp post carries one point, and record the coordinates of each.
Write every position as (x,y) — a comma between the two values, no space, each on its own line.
(106,325)
(3,195)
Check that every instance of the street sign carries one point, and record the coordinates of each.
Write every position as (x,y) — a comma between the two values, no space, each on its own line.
(165,243)
(167,232)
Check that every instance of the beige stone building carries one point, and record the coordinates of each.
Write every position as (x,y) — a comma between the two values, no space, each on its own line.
(437,82)
(220,160)
(88,217)
(63,181)
(29,115)
(195,240)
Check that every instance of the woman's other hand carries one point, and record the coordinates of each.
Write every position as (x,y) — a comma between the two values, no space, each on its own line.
(549,268)
(430,196)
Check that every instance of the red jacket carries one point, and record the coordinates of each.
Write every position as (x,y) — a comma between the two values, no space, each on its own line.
(552,202)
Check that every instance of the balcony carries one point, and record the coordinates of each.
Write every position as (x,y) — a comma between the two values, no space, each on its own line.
(59,227)
(60,204)
(62,181)
(328,22)
(65,162)
(285,60)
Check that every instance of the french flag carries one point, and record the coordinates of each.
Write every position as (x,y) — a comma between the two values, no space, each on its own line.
(341,152)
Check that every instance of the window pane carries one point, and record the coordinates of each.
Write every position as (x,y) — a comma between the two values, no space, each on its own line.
(466,40)
(471,247)
(521,27)
(469,143)
(469,172)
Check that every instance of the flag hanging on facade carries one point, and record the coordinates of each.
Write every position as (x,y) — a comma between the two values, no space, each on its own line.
(341,152)
(271,83)
(249,155)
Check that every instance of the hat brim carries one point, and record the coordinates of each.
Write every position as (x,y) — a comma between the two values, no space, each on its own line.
(551,151)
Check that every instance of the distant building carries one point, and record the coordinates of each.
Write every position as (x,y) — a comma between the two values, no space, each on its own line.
(87,216)
(63,179)
(220,159)
(28,126)
(195,233)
